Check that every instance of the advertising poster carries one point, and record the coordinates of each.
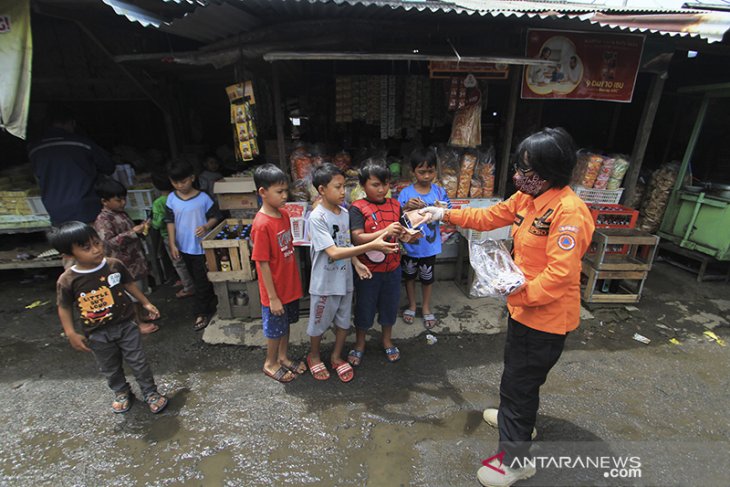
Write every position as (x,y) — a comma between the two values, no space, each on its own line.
(588,66)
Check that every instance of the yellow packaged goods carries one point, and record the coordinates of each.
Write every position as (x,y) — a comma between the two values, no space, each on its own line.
(242,131)
(468,161)
(592,169)
(246,152)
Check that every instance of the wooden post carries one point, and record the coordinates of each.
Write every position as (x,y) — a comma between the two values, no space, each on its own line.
(279,116)
(642,136)
(670,214)
(515,73)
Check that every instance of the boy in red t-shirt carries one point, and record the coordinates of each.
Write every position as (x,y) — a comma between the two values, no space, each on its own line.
(279,282)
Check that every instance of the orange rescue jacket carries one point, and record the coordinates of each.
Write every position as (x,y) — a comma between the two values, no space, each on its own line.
(550,233)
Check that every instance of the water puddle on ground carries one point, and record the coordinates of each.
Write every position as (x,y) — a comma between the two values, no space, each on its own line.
(389,455)
(215,467)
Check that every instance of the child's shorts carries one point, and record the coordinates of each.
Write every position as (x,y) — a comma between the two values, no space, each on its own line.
(419,267)
(276,326)
(379,294)
(325,310)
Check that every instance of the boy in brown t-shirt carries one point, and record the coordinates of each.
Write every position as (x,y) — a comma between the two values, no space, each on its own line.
(100,289)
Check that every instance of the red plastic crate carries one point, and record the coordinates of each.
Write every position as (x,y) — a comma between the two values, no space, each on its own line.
(613,216)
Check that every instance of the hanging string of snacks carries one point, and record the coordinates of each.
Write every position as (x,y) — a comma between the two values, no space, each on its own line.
(243,122)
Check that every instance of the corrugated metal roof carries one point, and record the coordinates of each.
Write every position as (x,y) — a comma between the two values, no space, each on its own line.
(219,19)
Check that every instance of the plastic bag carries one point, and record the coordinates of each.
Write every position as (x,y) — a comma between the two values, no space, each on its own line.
(468,163)
(620,166)
(484,173)
(448,160)
(496,272)
(301,163)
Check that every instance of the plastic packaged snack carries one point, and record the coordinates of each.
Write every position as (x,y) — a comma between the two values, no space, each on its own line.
(604,174)
(592,169)
(620,166)
(476,190)
(301,163)
(468,163)
(448,160)
(496,273)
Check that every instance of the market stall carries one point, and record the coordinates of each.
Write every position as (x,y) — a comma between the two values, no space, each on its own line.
(697,216)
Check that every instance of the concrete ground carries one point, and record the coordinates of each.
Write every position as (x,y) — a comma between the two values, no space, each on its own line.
(416,422)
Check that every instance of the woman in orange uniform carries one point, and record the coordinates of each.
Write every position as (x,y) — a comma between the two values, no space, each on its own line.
(551,230)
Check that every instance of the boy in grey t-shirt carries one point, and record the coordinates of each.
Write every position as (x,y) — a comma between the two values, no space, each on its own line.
(331,283)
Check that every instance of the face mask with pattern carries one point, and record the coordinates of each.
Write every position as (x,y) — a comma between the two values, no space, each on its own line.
(531,185)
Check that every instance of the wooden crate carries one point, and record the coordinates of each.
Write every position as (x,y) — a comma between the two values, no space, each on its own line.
(642,247)
(238,251)
(631,284)
(238,299)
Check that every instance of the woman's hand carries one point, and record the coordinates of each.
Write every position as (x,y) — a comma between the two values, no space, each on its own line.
(434,213)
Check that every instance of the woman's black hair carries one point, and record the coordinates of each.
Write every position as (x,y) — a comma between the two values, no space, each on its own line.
(323,174)
(373,168)
(551,152)
(267,175)
(179,170)
(63,237)
(108,188)
(423,155)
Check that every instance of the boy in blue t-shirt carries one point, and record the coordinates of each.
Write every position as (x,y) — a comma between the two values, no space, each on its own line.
(420,259)
(190,215)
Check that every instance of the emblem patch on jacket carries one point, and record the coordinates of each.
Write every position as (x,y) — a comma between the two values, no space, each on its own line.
(540,226)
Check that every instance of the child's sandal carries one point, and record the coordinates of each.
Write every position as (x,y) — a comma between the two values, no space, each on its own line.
(122,402)
(200,323)
(156,401)
(409,316)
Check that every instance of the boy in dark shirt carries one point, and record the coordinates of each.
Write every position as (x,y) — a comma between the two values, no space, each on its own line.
(99,288)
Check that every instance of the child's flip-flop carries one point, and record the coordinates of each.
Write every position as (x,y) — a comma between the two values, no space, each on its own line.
(344,371)
(408,316)
(355,357)
(393,354)
(295,367)
(280,373)
(429,321)
(200,323)
(319,371)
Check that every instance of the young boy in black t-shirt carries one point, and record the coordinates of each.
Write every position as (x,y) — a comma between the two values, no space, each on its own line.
(99,288)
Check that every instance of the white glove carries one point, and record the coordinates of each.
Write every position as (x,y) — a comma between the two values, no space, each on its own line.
(434,213)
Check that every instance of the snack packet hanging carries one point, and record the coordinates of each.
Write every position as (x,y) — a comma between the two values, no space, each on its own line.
(496,273)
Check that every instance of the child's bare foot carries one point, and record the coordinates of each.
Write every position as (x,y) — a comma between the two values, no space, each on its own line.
(147,328)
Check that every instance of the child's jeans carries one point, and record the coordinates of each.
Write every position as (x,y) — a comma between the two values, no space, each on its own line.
(204,300)
(180,268)
(115,344)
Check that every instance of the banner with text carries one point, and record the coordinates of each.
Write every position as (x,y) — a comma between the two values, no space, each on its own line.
(587,66)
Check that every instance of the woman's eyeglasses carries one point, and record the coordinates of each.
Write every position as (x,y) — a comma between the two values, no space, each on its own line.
(522,170)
